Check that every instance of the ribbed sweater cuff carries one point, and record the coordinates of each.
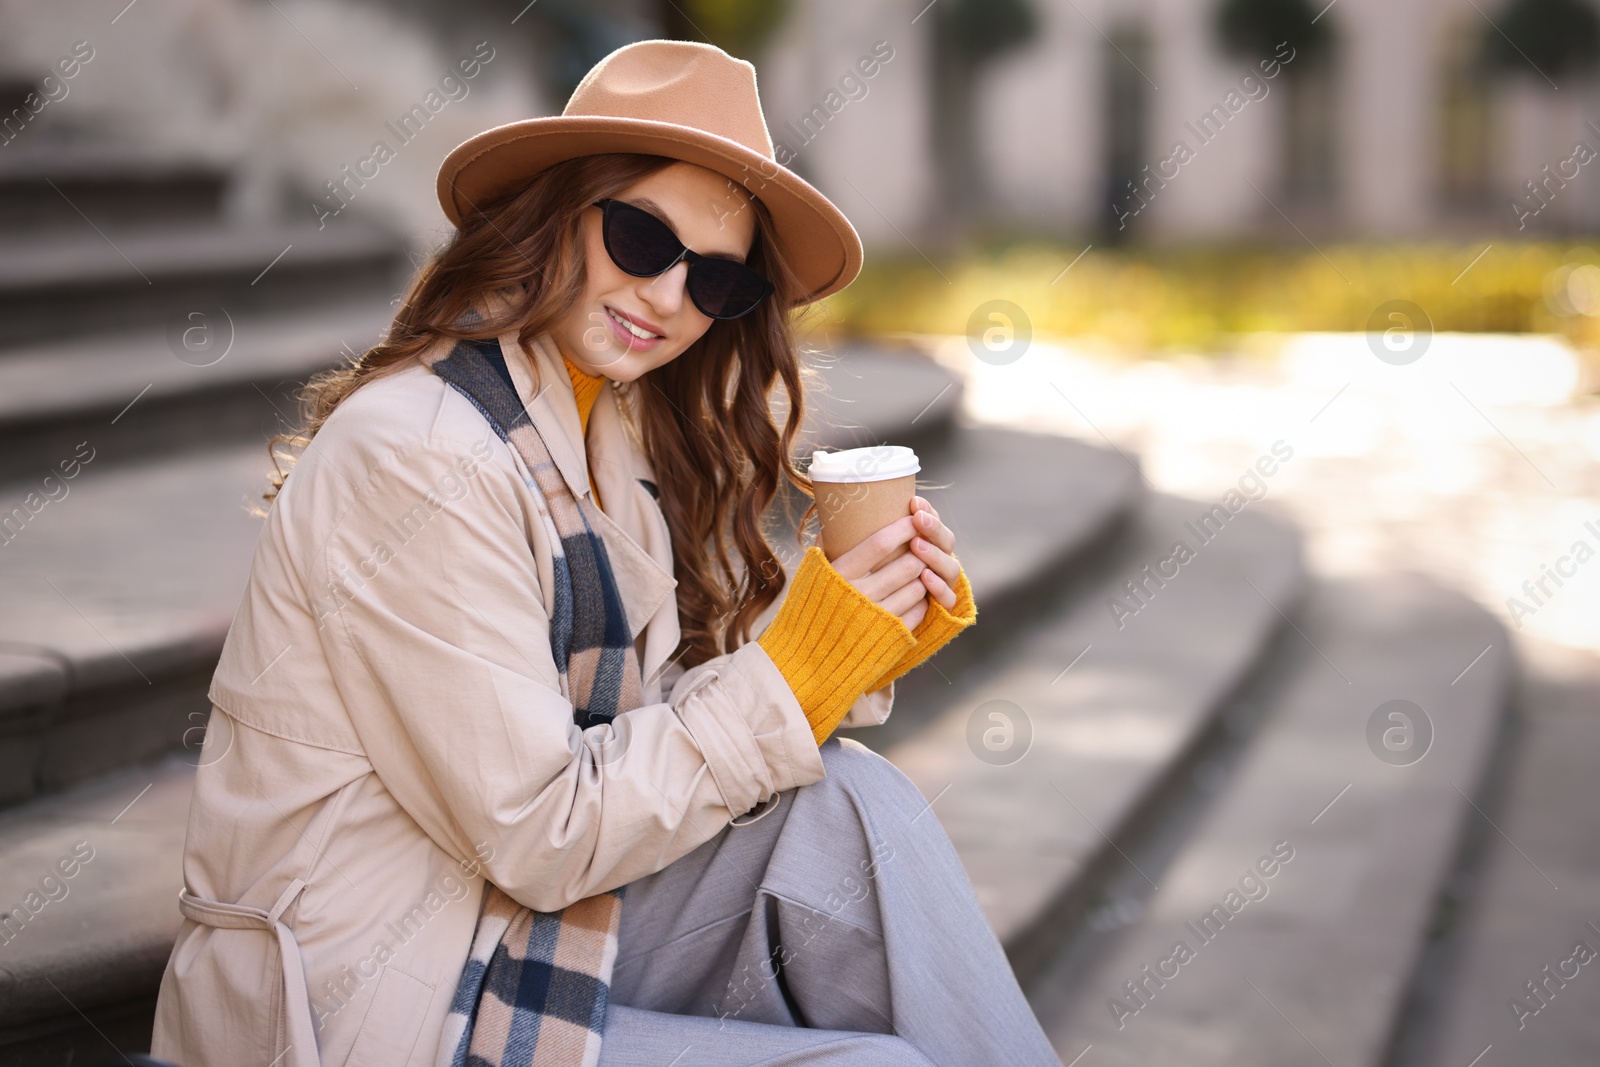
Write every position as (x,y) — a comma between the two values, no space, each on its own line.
(829,642)
(935,630)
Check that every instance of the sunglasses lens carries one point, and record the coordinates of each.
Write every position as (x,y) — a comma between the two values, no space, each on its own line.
(639,243)
(644,246)
(724,289)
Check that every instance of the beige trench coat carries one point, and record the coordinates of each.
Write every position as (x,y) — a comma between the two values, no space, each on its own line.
(389,730)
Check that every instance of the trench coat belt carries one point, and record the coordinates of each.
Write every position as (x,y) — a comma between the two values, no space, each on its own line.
(302,1050)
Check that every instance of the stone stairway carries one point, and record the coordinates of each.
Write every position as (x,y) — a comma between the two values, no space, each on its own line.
(1521,900)
(147,348)
(1102,773)
(1038,768)
(1302,897)
(134,318)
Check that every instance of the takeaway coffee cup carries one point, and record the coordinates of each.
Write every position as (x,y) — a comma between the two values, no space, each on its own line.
(859,491)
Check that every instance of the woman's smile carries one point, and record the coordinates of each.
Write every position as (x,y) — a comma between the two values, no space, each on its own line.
(637,334)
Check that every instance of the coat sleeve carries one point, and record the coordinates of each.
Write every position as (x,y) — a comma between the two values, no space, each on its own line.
(439,644)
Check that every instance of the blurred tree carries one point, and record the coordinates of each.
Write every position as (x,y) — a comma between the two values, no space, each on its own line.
(1125,97)
(981,30)
(571,36)
(1556,36)
(1466,120)
(1257,30)
(738,27)
(968,35)
(559,40)
(1253,29)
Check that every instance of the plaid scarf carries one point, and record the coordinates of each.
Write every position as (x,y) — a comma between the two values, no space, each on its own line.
(534,989)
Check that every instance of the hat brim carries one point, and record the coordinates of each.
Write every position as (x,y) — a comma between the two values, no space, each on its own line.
(815,238)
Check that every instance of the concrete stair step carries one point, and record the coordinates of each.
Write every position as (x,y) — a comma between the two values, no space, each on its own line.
(1038,767)
(1334,856)
(1524,899)
(135,393)
(871,394)
(81,959)
(118,594)
(57,285)
(14,89)
(45,187)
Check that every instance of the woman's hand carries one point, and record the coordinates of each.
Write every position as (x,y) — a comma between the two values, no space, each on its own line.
(935,545)
(903,584)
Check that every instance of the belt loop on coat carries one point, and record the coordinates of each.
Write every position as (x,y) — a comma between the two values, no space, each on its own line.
(302,1050)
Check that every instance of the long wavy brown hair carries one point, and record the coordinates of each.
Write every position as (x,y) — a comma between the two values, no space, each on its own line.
(706,419)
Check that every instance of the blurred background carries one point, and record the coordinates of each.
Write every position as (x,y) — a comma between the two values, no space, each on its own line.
(1250,347)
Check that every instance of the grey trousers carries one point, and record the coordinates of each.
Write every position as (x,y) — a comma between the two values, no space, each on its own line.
(839,928)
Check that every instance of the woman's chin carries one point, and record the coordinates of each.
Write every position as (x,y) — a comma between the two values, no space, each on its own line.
(611,364)
(630,366)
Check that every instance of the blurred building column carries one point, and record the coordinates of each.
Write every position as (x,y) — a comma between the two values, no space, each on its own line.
(1040,124)
(1211,195)
(1469,192)
(1546,55)
(845,87)
(1390,53)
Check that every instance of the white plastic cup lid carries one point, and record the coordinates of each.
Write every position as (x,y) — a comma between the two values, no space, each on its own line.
(875,463)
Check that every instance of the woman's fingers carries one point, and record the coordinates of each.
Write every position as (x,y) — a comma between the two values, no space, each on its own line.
(934,545)
(940,562)
(924,568)
(892,576)
(922,521)
(906,597)
(939,589)
(870,554)
(928,525)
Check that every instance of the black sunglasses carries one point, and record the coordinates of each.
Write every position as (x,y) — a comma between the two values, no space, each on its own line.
(642,245)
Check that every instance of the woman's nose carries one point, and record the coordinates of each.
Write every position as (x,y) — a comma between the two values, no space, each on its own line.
(665,292)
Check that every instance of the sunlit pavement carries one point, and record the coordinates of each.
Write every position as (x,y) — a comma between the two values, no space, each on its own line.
(1476,463)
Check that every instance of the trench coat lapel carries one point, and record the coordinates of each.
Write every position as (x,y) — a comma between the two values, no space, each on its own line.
(643,571)
(618,468)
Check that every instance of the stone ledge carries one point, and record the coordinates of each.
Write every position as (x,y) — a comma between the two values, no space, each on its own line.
(1107,729)
(54,285)
(111,932)
(48,261)
(872,394)
(1332,943)
(99,375)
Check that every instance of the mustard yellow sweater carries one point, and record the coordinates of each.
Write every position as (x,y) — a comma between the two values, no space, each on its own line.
(586,388)
(828,640)
(832,644)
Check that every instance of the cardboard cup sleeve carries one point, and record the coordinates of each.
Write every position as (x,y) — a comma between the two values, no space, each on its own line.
(860,491)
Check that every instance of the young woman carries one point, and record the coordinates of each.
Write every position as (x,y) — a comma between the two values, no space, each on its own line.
(495,774)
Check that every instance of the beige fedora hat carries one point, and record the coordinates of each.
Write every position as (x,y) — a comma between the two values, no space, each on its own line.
(691,102)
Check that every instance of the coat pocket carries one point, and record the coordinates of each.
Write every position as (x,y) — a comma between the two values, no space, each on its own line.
(393,1021)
